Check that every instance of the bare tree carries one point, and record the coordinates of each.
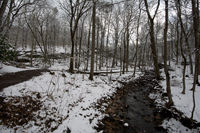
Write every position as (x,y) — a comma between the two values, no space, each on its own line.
(97,42)
(39,25)
(178,7)
(115,23)
(137,38)
(74,10)
(81,39)
(195,14)
(170,103)
(186,34)
(153,43)
(88,46)
(93,41)
(103,30)
(10,10)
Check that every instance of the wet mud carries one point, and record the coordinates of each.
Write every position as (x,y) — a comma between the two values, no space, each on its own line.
(130,110)
(18,77)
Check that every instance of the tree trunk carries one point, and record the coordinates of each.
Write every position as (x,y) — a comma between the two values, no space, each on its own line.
(71,67)
(137,38)
(153,44)
(97,47)
(2,11)
(88,47)
(127,48)
(107,52)
(101,46)
(17,36)
(185,60)
(139,62)
(80,43)
(177,43)
(185,35)
(93,42)
(124,59)
(181,42)
(153,48)
(33,41)
(170,103)
(116,42)
(195,14)
(76,48)
(144,52)
(120,50)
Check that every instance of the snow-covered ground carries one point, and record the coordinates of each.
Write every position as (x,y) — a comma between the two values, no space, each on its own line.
(69,99)
(182,102)
(10,69)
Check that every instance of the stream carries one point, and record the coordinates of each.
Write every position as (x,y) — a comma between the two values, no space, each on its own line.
(131,110)
(141,115)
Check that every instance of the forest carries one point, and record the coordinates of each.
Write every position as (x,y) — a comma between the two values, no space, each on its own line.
(58,57)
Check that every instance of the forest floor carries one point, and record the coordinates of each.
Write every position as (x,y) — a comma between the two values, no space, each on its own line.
(129,110)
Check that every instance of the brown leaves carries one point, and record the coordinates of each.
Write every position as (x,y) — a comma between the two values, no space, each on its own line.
(17,110)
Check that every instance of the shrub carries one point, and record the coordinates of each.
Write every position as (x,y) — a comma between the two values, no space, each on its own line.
(6,50)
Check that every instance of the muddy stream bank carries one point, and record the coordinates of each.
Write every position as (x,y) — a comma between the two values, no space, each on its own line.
(130,110)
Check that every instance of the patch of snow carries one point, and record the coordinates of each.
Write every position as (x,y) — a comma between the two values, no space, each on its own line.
(182,102)
(174,126)
(126,124)
(10,69)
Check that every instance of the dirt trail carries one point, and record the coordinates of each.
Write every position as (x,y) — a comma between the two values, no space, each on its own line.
(18,77)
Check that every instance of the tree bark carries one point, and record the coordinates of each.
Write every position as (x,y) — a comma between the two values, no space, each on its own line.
(185,60)
(116,42)
(170,103)
(93,42)
(77,9)
(97,47)
(107,39)
(127,47)
(137,38)
(181,47)
(88,47)
(178,6)
(153,44)
(102,44)
(124,59)
(195,14)
(177,42)
(2,11)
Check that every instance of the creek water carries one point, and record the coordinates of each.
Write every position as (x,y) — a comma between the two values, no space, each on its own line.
(131,110)
(140,115)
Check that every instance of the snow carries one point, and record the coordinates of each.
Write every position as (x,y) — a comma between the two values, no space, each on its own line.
(174,126)
(72,99)
(126,124)
(9,69)
(182,102)
(58,49)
